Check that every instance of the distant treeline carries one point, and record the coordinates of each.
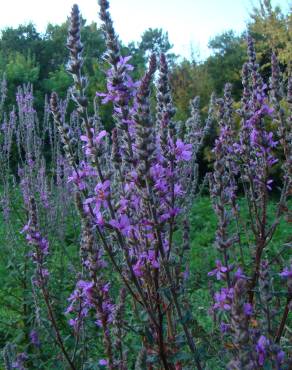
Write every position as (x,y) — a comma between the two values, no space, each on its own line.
(29,56)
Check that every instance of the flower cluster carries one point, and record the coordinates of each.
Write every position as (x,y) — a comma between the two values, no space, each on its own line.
(40,245)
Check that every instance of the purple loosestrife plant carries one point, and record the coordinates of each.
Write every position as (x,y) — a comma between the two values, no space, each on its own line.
(28,167)
(39,252)
(130,201)
(255,320)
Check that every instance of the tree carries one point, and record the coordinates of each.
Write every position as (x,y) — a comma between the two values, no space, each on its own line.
(189,79)
(225,64)
(272,30)
(58,81)
(155,40)
(20,70)
(23,39)
(54,47)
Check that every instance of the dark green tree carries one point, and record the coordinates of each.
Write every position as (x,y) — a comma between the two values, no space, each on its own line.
(272,31)
(189,79)
(23,39)
(155,40)
(224,65)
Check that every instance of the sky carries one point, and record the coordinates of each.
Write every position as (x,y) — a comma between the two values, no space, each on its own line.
(190,23)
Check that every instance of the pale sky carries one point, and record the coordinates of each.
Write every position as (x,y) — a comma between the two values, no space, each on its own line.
(188,22)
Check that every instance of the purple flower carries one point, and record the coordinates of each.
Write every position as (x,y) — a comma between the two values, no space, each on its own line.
(280,357)
(78,177)
(239,274)
(74,323)
(224,328)
(267,110)
(269,142)
(96,139)
(271,161)
(120,86)
(152,259)
(172,212)
(178,191)
(247,309)
(286,273)
(261,349)
(123,204)
(138,268)
(269,183)
(38,254)
(161,185)
(123,225)
(122,63)
(99,219)
(102,191)
(20,359)
(81,295)
(223,299)
(34,338)
(219,271)
(103,362)
(183,152)
(157,171)
(254,137)
(26,227)
(87,289)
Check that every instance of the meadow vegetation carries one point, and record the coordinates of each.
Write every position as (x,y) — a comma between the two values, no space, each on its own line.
(143,226)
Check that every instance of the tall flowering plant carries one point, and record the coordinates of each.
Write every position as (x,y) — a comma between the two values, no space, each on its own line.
(130,199)
(251,315)
(28,169)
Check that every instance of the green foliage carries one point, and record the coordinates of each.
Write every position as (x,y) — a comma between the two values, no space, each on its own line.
(272,30)
(54,50)
(21,69)
(203,226)
(229,54)
(155,40)
(58,81)
(189,79)
(23,39)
